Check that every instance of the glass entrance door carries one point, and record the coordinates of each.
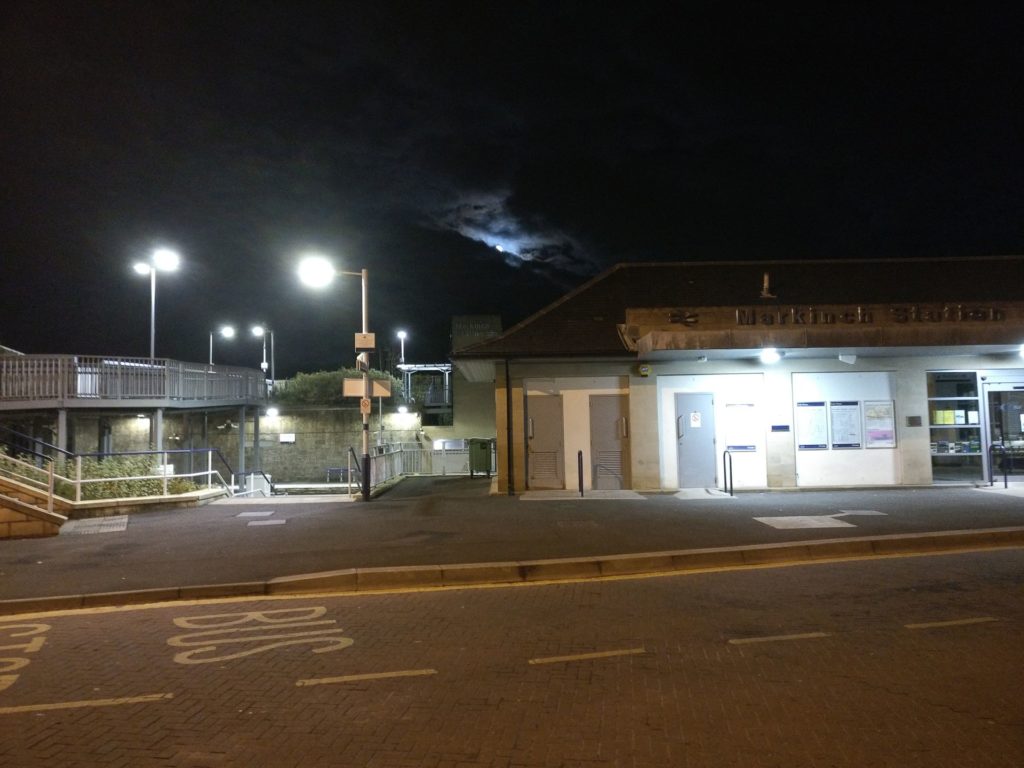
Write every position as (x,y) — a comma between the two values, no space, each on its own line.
(1006,430)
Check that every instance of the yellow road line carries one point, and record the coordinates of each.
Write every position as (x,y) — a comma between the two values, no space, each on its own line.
(368,676)
(774,638)
(954,623)
(585,656)
(152,697)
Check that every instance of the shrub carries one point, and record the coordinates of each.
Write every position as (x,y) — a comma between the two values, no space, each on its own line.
(325,387)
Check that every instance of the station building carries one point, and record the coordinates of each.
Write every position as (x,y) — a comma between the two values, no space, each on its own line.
(764,375)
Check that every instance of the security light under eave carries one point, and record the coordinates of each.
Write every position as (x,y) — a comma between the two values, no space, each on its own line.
(770,355)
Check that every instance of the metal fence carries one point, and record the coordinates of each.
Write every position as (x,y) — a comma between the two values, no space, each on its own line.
(70,377)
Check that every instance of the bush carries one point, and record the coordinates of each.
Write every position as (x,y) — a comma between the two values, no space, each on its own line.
(94,469)
(134,467)
(325,387)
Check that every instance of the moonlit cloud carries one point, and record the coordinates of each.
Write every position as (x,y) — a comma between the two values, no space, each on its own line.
(485,218)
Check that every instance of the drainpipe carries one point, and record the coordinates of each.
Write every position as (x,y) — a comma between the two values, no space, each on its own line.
(508,430)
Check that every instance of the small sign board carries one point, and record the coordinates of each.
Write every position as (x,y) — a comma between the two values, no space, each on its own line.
(378,388)
(365,406)
(365,341)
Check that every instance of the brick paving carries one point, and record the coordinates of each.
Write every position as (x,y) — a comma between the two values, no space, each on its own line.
(870,692)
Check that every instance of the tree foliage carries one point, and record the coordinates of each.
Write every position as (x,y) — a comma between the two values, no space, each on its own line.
(324,387)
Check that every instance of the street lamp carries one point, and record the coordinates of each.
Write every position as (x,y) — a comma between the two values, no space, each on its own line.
(226,332)
(164,260)
(318,272)
(401,339)
(262,331)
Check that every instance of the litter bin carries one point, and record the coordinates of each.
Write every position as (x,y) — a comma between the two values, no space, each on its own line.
(479,456)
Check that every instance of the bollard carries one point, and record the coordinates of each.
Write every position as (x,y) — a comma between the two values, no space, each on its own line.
(579,470)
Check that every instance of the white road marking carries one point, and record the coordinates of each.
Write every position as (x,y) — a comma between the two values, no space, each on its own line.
(585,656)
(263,513)
(112,524)
(367,676)
(953,623)
(774,638)
(152,697)
(266,522)
(817,521)
(804,521)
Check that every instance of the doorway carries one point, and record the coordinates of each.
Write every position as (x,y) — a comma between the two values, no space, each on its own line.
(609,442)
(544,453)
(1005,410)
(695,440)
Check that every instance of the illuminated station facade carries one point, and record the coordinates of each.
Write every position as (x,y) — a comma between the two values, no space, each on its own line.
(764,375)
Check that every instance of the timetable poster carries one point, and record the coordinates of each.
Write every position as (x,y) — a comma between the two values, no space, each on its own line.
(741,427)
(879,424)
(846,424)
(811,426)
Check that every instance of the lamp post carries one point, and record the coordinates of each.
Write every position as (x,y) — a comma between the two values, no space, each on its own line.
(406,376)
(262,331)
(164,260)
(401,339)
(318,272)
(225,331)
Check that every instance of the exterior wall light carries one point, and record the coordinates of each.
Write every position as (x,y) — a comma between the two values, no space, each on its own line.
(770,355)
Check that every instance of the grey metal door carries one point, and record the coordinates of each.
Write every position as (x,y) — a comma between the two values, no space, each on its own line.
(545,458)
(695,440)
(609,442)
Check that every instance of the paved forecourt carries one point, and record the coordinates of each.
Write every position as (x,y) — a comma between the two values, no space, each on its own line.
(449,532)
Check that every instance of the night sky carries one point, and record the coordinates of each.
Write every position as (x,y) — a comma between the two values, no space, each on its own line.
(476,157)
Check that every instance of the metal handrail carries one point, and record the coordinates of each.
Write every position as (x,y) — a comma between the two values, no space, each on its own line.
(106,378)
(47,486)
(991,455)
(34,440)
(356,465)
(727,478)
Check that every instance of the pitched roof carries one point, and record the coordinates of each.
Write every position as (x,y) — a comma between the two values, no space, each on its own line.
(585,321)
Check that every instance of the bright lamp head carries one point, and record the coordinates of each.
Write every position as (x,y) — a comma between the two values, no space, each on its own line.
(166,260)
(316,271)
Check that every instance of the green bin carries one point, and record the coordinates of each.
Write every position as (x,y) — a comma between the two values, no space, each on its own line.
(479,456)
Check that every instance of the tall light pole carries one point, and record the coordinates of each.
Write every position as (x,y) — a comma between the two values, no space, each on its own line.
(164,260)
(401,339)
(226,332)
(318,272)
(406,376)
(262,331)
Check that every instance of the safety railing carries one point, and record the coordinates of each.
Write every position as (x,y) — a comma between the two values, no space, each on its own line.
(76,377)
(68,477)
(41,480)
(992,451)
(18,443)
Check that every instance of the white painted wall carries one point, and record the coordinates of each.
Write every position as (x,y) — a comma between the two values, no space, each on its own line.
(749,469)
(853,466)
(576,392)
